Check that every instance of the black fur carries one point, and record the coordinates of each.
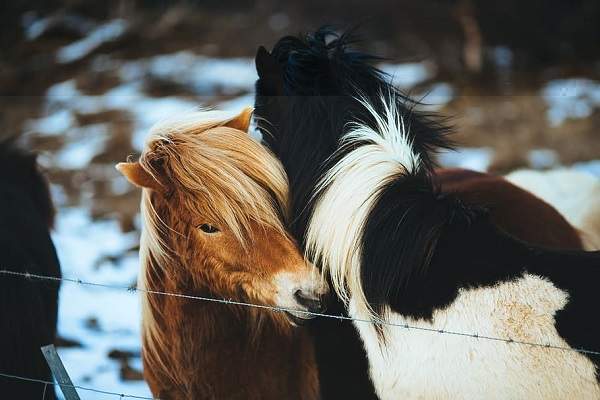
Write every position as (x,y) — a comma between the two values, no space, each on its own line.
(29,308)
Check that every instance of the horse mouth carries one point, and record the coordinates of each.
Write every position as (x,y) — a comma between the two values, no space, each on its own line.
(298,320)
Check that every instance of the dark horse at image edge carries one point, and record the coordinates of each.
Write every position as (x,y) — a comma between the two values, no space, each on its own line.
(29,308)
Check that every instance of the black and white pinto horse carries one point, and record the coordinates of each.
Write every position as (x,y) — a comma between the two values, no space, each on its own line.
(396,247)
(29,308)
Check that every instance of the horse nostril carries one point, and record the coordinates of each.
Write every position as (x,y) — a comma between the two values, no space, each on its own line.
(311,302)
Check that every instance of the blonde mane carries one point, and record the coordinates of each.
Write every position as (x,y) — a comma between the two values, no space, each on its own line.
(218,172)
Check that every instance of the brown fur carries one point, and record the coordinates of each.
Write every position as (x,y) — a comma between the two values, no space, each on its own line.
(203,170)
(513,209)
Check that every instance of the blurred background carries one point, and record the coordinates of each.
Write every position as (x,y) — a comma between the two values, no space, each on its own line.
(82,81)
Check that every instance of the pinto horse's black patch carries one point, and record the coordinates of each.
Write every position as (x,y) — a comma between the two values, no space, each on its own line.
(420,247)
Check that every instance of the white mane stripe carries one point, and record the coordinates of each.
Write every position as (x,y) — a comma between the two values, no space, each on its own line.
(347,193)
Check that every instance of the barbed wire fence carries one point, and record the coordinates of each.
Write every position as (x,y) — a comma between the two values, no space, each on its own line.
(379,322)
(84,388)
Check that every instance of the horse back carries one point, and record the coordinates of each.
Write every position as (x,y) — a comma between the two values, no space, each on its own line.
(514,210)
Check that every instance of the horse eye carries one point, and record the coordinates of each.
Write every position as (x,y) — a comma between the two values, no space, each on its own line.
(208,228)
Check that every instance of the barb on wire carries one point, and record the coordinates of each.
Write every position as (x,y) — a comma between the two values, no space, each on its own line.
(379,322)
(46,383)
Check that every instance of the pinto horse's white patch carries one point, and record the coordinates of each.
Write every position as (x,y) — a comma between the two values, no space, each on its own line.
(348,191)
(415,364)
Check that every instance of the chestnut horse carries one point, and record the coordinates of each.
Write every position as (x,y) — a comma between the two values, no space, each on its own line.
(213,207)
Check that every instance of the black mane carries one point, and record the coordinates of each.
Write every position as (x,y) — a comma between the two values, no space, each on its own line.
(307,92)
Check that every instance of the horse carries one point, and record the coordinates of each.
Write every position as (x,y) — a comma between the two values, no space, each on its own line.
(214,204)
(542,223)
(575,194)
(404,245)
(29,309)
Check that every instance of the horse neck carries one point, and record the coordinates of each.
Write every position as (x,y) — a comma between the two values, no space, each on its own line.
(208,343)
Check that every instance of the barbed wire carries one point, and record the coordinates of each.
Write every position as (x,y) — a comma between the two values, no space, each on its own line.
(88,389)
(379,322)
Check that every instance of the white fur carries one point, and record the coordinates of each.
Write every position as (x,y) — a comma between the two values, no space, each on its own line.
(287,283)
(576,195)
(427,365)
(348,192)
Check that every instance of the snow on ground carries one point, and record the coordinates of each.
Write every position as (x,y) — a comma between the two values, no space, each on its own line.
(571,98)
(477,159)
(407,75)
(203,75)
(589,167)
(53,124)
(101,34)
(35,26)
(438,95)
(543,158)
(101,319)
(87,142)
(145,111)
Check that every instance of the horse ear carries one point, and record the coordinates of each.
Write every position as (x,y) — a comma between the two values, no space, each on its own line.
(265,63)
(242,121)
(270,74)
(137,175)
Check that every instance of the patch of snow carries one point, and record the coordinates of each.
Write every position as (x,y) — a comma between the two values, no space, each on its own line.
(58,195)
(62,91)
(543,158)
(571,98)
(106,32)
(87,142)
(476,159)
(145,111)
(94,370)
(590,167)
(406,75)
(34,26)
(81,244)
(438,95)
(89,365)
(119,185)
(53,124)
(203,75)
